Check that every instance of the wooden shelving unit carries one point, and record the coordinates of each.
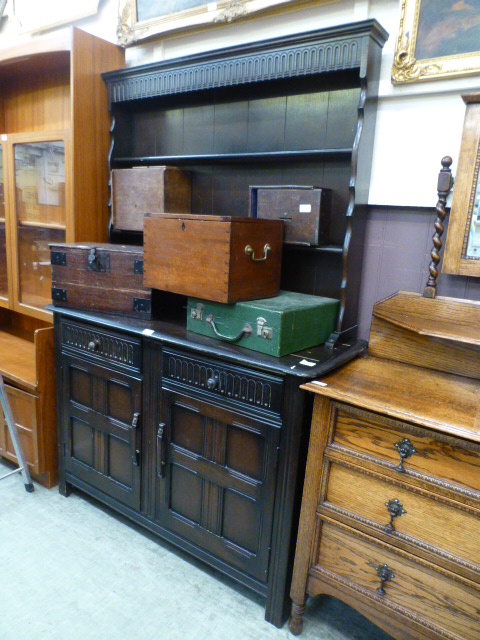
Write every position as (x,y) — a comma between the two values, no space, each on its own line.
(53,102)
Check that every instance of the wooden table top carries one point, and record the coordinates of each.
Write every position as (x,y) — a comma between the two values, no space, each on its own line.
(445,402)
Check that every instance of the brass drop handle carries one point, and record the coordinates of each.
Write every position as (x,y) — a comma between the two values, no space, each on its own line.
(406,450)
(386,575)
(246,331)
(251,253)
(161,462)
(395,509)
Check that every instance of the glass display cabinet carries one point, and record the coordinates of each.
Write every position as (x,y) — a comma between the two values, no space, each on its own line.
(37,217)
(54,136)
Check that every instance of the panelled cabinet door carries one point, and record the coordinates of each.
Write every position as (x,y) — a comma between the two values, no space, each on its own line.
(102,429)
(215,473)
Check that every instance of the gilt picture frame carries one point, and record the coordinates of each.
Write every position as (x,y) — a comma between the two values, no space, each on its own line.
(462,247)
(145,19)
(437,39)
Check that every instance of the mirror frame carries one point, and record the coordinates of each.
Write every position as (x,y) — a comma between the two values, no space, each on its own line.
(455,260)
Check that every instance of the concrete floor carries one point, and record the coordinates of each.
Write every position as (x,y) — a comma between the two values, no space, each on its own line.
(70,569)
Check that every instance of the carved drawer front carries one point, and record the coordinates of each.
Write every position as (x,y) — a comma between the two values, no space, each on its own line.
(396,581)
(102,346)
(412,454)
(232,384)
(412,517)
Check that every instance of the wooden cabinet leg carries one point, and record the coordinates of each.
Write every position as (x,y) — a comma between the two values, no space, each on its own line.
(296,619)
(64,488)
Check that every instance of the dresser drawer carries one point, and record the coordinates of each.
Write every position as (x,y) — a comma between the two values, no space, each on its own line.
(439,460)
(105,347)
(446,604)
(432,524)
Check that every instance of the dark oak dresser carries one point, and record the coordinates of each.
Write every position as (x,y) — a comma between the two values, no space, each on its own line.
(202,442)
(391,503)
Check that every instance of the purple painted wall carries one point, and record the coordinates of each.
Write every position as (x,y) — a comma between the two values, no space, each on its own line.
(396,258)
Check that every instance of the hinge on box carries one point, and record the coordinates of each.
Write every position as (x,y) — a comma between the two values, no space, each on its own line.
(138,267)
(58,258)
(142,305)
(59,295)
(136,458)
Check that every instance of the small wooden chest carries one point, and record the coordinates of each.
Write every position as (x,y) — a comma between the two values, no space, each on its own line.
(223,259)
(276,326)
(305,211)
(100,277)
(142,190)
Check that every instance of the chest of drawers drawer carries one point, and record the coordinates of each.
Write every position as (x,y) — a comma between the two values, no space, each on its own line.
(397,582)
(439,463)
(103,346)
(436,528)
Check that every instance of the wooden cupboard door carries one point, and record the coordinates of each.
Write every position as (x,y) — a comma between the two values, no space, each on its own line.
(102,429)
(24,411)
(215,480)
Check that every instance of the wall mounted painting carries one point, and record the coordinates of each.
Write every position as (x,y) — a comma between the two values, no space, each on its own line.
(462,249)
(437,39)
(144,19)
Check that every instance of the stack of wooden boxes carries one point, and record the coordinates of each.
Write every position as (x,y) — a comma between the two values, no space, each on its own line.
(229,268)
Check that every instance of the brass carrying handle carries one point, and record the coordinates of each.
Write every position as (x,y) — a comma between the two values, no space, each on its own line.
(161,462)
(246,331)
(251,253)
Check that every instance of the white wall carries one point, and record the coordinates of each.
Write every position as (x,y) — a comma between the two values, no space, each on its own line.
(417,124)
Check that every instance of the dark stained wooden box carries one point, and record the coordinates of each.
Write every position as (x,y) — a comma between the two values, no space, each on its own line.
(222,259)
(142,190)
(100,277)
(305,211)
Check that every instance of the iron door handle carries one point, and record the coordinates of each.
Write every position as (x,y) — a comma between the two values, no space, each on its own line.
(161,462)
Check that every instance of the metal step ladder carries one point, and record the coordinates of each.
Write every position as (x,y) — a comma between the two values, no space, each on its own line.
(22,468)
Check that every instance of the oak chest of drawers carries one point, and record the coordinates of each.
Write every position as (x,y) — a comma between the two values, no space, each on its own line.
(391,503)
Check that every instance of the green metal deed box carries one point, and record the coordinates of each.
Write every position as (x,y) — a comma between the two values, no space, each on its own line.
(276,326)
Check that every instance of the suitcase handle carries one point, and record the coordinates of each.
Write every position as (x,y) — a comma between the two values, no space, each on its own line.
(245,332)
(251,253)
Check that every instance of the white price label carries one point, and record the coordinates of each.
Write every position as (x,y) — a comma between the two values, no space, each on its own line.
(305,208)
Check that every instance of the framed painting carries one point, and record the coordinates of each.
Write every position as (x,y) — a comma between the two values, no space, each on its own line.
(142,19)
(462,248)
(437,39)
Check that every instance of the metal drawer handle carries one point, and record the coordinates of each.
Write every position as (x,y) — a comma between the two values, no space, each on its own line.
(246,331)
(251,253)
(386,575)
(406,450)
(93,345)
(161,463)
(395,509)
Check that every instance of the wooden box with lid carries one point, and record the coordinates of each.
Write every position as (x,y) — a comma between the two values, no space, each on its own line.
(218,258)
(391,502)
(100,277)
(140,190)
